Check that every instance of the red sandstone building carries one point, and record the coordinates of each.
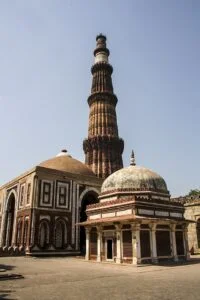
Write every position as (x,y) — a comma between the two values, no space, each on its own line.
(40,208)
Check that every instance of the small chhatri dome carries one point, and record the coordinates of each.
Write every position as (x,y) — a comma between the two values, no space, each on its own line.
(134,178)
(64,162)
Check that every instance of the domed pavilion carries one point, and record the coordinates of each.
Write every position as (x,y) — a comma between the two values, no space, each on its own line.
(135,221)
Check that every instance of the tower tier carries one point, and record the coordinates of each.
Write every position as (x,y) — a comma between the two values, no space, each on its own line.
(103,148)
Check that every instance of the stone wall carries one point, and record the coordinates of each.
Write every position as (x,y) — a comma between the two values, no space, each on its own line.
(192,212)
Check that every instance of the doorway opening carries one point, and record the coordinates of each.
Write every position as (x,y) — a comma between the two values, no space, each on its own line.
(179,243)
(163,243)
(145,243)
(90,198)
(10,215)
(109,249)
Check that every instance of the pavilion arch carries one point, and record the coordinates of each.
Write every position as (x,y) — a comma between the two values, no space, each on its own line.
(60,233)
(198,232)
(44,234)
(89,196)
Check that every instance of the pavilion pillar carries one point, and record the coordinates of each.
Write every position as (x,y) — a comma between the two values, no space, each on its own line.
(136,247)
(173,242)
(185,242)
(153,243)
(119,246)
(99,243)
(87,233)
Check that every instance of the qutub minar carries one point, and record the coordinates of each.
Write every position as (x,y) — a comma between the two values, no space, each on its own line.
(99,209)
(103,148)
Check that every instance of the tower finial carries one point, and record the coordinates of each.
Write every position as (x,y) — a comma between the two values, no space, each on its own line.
(101,52)
(101,36)
(132,161)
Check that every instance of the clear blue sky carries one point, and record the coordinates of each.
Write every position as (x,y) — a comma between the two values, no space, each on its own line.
(45,57)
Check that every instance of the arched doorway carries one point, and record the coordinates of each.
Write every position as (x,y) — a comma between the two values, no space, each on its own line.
(9,220)
(198,233)
(90,198)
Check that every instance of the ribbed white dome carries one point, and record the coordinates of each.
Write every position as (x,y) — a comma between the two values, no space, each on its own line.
(134,178)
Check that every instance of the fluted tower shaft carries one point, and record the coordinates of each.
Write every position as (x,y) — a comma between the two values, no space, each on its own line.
(103,148)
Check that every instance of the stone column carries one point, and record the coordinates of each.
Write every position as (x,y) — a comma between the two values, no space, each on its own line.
(185,242)
(136,248)
(4,229)
(16,233)
(119,252)
(9,230)
(87,254)
(173,241)
(14,226)
(32,240)
(99,242)
(32,229)
(134,245)
(153,243)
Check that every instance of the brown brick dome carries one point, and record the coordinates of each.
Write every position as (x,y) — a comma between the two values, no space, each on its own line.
(64,162)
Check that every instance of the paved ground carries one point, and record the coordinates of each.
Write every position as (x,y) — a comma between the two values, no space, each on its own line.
(70,278)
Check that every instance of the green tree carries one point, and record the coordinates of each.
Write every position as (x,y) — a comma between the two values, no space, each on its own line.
(195,192)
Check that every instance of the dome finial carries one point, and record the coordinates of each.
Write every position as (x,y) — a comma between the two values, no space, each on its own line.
(132,161)
(63,152)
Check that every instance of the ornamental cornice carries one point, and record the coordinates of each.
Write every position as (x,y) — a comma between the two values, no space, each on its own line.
(101,49)
(103,142)
(103,96)
(129,190)
(110,203)
(136,201)
(187,200)
(101,66)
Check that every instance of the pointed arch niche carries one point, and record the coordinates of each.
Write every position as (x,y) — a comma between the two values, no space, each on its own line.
(60,234)
(9,222)
(43,238)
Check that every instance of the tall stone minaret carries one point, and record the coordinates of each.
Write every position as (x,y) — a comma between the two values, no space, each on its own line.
(103,148)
